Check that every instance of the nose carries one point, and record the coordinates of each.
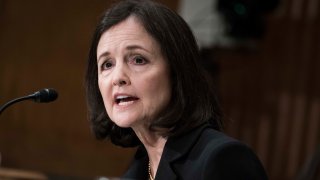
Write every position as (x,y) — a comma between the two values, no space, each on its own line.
(120,76)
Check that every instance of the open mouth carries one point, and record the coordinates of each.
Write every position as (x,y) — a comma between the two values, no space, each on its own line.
(124,100)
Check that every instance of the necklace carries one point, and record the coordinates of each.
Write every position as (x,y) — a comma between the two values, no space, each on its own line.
(149,172)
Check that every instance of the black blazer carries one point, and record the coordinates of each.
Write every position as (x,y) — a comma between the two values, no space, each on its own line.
(200,154)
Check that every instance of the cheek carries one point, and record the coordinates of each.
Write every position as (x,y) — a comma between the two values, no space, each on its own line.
(104,90)
(101,86)
(158,87)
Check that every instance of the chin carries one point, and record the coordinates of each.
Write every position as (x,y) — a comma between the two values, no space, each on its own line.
(123,123)
(126,120)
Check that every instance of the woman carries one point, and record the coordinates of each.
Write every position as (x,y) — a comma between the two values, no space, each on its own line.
(146,89)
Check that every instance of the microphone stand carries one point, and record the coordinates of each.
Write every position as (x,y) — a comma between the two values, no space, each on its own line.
(43,96)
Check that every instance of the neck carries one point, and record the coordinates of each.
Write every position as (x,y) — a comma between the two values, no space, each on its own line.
(154,144)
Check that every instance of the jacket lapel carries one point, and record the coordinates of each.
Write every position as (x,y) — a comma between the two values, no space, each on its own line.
(139,167)
(175,148)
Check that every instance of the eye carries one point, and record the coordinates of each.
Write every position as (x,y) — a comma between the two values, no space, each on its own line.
(139,60)
(106,65)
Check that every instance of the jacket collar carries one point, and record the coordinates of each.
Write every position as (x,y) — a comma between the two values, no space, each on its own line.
(178,146)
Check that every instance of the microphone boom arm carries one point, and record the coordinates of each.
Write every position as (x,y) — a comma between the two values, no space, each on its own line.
(3,107)
(43,96)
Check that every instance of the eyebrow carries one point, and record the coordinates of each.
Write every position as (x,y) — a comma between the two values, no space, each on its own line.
(133,47)
(103,55)
(130,47)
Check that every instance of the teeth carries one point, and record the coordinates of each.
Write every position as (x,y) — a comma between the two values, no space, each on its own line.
(125,103)
(121,97)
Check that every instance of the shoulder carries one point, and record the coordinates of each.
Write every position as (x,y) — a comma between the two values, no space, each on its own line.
(211,141)
(211,137)
(223,157)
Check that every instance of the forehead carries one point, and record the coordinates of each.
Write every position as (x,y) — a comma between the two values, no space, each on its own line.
(128,32)
(130,26)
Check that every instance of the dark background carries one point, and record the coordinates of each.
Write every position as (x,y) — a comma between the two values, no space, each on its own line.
(269,92)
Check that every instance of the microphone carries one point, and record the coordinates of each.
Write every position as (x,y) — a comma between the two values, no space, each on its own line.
(42,96)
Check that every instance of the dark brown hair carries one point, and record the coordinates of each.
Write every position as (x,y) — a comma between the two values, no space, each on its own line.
(192,102)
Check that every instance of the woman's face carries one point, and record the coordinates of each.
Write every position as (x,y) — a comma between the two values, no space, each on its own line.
(133,74)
